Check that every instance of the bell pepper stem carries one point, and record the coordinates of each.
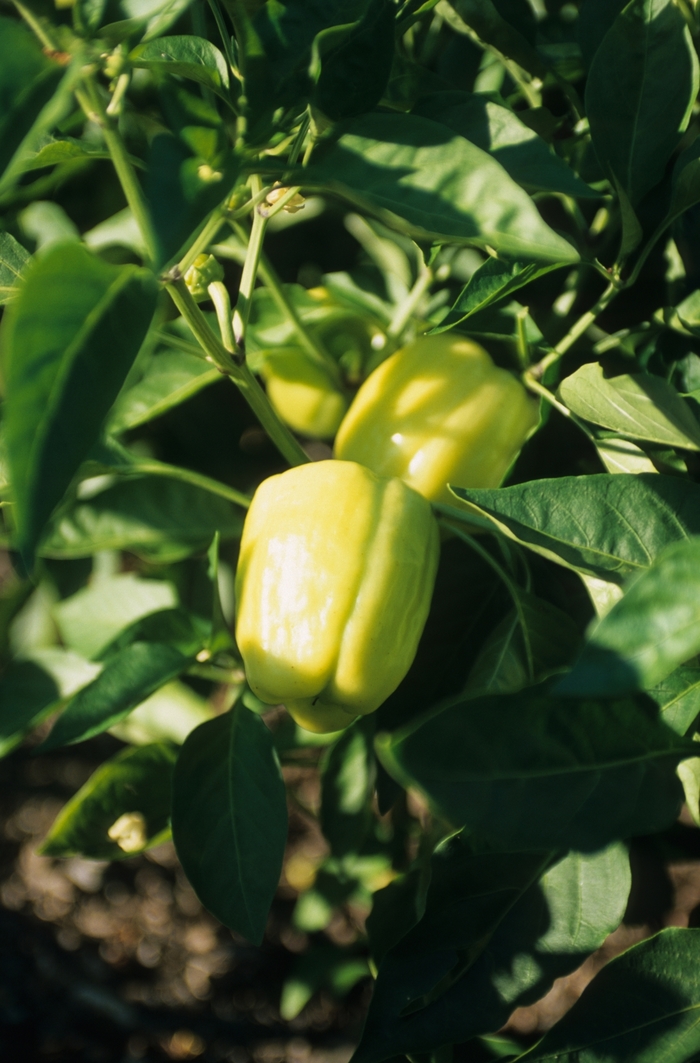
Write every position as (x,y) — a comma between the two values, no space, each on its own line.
(239,373)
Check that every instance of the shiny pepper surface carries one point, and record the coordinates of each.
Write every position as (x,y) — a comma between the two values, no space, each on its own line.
(303,393)
(333,587)
(438,412)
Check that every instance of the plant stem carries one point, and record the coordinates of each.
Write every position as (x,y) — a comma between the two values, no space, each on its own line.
(239,373)
(33,22)
(92,106)
(536,372)
(210,230)
(508,582)
(408,305)
(539,389)
(248,277)
(151,467)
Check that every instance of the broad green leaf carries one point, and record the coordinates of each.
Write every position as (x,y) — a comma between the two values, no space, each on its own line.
(643,1007)
(230,818)
(14,260)
(678,698)
(70,338)
(521,152)
(167,716)
(502,664)
(127,679)
(28,81)
(186,631)
(652,630)
(418,176)
(484,17)
(689,774)
(532,770)
(92,618)
(122,809)
(56,151)
(27,691)
(606,526)
(119,230)
(347,788)
(594,20)
(146,18)
(171,377)
(150,516)
(491,282)
(637,112)
(188,57)
(495,934)
(355,72)
(637,405)
(623,456)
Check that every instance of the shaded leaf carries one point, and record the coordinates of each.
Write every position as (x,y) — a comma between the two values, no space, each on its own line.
(641,1008)
(638,405)
(678,698)
(498,929)
(136,783)
(594,20)
(27,691)
(70,337)
(355,73)
(127,679)
(230,818)
(167,716)
(653,629)
(171,377)
(531,770)
(419,176)
(521,152)
(606,526)
(347,788)
(636,112)
(150,516)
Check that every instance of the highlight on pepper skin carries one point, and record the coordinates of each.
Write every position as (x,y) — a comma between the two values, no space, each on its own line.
(333,587)
(438,411)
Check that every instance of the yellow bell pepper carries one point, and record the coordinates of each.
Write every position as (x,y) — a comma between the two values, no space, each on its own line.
(438,412)
(333,587)
(303,393)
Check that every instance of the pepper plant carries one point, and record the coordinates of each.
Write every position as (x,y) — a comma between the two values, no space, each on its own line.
(525,173)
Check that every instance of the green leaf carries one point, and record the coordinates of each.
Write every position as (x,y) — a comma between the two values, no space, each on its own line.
(418,176)
(491,282)
(131,791)
(347,788)
(187,57)
(167,716)
(47,223)
(605,526)
(151,516)
(623,456)
(637,112)
(171,377)
(642,1007)
(70,337)
(502,665)
(594,20)
(495,934)
(185,631)
(485,19)
(14,260)
(220,637)
(127,679)
(26,693)
(92,618)
(521,152)
(230,818)
(535,771)
(57,151)
(354,74)
(28,81)
(653,629)
(637,405)
(678,698)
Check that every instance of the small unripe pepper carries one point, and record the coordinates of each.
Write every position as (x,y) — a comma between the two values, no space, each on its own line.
(438,412)
(303,393)
(333,587)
